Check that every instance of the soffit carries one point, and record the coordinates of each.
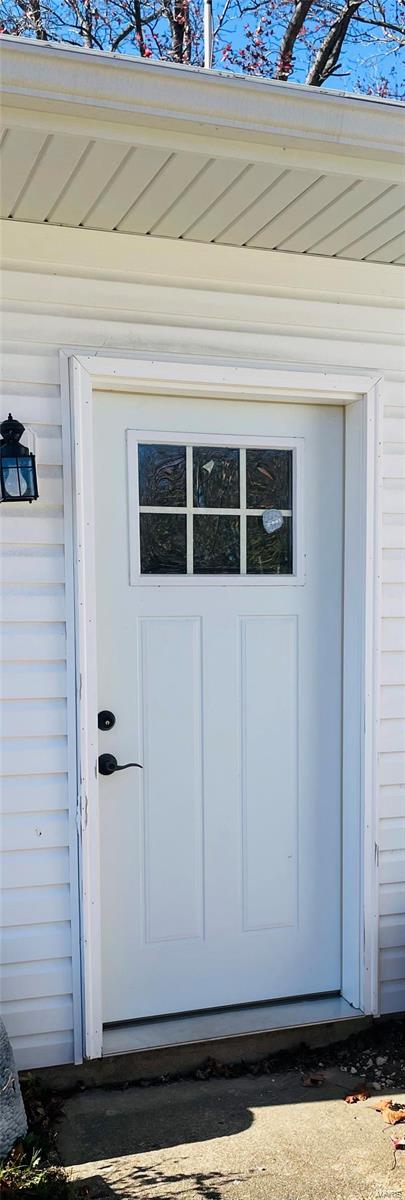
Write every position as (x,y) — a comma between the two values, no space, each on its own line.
(138,178)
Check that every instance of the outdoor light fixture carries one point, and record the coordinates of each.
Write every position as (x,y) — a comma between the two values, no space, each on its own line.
(18,476)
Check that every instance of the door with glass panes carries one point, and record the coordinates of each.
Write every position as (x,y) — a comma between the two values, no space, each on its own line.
(219,626)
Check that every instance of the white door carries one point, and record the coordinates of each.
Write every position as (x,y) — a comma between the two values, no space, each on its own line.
(219,604)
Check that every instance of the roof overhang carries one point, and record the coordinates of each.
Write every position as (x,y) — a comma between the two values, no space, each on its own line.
(257,162)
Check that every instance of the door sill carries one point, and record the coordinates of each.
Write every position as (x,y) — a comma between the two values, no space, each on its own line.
(214,1026)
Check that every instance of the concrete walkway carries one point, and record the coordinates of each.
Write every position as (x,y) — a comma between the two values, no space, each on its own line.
(259,1138)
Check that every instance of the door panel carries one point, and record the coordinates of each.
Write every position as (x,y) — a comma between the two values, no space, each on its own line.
(220,656)
(269,648)
(172,744)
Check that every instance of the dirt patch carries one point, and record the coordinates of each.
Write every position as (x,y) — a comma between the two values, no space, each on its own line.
(32,1169)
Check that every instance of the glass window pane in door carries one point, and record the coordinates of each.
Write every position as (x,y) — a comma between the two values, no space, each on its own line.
(269,553)
(163,543)
(216,548)
(162,475)
(215,477)
(268,478)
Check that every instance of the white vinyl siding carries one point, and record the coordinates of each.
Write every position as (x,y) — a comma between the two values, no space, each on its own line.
(392,744)
(67,307)
(36,872)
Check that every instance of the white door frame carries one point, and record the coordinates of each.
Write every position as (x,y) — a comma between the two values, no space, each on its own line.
(362,397)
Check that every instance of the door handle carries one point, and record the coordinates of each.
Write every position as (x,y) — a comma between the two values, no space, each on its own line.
(107,765)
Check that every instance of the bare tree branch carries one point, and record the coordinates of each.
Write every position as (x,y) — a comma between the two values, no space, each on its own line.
(327,58)
(35,17)
(285,62)
(281,39)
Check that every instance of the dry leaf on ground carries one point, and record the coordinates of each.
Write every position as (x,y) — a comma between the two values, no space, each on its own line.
(361,1093)
(391,1112)
(313,1080)
(393,1116)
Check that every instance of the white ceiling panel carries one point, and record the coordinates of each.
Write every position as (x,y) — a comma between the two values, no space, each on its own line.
(356,202)
(324,225)
(95,169)
(198,197)
(51,172)
(376,214)
(224,211)
(287,187)
(18,152)
(118,196)
(229,198)
(382,231)
(170,183)
(391,252)
(318,197)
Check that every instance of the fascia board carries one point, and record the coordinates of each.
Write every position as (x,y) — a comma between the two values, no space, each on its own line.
(117,88)
(135,258)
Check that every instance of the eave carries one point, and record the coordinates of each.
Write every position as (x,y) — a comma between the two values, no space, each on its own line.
(343,155)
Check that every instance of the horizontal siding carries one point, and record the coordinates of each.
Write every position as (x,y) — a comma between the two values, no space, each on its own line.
(36,905)
(43,1050)
(393,996)
(31,868)
(21,1015)
(29,831)
(33,981)
(29,755)
(20,794)
(37,981)
(36,909)
(46,941)
(392,738)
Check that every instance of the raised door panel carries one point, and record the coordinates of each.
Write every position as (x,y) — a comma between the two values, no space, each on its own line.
(172,798)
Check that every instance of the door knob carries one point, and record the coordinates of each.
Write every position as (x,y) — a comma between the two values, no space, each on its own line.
(107,765)
(106,719)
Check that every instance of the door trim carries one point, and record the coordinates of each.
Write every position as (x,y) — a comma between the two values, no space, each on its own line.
(362,398)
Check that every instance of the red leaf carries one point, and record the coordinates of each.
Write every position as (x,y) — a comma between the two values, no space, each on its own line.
(361,1093)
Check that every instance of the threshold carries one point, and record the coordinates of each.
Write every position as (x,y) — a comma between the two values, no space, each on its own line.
(242,1021)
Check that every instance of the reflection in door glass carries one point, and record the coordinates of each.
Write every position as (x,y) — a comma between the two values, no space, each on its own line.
(163,544)
(216,545)
(268,478)
(162,475)
(215,510)
(216,477)
(268,553)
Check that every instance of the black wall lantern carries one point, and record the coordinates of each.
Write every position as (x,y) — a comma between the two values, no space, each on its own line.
(18,476)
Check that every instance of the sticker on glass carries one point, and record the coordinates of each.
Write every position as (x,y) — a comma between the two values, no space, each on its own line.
(272,519)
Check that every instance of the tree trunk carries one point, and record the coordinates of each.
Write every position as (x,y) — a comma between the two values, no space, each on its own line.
(327,59)
(36,21)
(13,1121)
(181,32)
(285,61)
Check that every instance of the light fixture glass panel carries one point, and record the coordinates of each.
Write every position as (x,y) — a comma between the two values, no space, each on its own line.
(14,475)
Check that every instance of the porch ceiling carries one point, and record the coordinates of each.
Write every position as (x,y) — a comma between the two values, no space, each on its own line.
(66,161)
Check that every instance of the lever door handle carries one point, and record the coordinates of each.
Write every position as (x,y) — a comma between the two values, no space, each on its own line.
(108,765)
